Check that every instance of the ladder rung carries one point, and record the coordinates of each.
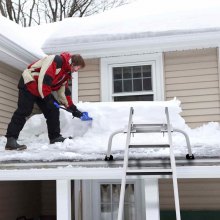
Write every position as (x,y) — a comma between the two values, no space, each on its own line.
(147,125)
(149,172)
(149,145)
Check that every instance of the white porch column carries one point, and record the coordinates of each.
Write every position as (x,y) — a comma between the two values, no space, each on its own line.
(63,192)
(152,204)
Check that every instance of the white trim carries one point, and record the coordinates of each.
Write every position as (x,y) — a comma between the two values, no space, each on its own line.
(75,87)
(155,44)
(100,173)
(156,60)
(152,204)
(63,199)
(218,68)
(14,55)
(88,202)
(77,200)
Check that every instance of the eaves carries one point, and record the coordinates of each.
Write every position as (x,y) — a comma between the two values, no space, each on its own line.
(14,55)
(105,46)
(198,168)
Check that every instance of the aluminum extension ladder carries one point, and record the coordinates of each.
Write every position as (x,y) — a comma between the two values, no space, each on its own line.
(149,128)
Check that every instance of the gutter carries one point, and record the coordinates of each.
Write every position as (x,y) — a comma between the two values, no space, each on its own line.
(14,55)
(198,168)
(145,44)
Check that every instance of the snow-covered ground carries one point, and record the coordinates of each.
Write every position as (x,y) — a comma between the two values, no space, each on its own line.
(90,138)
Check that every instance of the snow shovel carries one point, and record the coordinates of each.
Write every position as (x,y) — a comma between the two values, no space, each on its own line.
(84,117)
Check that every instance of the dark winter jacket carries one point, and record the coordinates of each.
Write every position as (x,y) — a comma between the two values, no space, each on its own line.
(51,73)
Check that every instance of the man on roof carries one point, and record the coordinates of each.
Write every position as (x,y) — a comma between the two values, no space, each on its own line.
(36,85)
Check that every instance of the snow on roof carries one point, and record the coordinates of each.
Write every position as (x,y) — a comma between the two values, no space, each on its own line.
(143,16)
(90,139)
(140,19)
(16,34)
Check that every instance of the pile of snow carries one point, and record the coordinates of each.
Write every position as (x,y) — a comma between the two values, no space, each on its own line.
(90,138)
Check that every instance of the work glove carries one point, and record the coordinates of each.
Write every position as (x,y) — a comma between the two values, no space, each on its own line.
(75,112)
(49,101)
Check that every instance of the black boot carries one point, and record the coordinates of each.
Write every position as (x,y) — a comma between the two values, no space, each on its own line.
(58,139)
(13,145)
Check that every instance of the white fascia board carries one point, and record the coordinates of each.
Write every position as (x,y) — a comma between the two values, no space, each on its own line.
(14,55)
(141,45)
(100,173)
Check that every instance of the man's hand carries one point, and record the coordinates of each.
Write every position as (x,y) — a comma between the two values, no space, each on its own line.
(75,112)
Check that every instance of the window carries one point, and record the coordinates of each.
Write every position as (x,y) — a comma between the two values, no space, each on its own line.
(101,200)
(109,202)
(132,78)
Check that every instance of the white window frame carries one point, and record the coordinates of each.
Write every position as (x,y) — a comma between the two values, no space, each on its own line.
(75,89)
(155,60)
(91,197)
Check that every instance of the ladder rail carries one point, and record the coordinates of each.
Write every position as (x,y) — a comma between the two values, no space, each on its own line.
(173,166)
(123,182)
(187,140)
(120,131)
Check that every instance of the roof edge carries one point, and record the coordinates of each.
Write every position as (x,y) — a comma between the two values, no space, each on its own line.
(15,55)
(153,44)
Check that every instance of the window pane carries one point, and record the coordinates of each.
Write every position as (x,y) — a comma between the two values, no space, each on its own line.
(117,73)
(137,84)
(147,71)
(129,212)
(137,72)
(118,86)
(127,85)
(127,73)
(129,193)
(134,98)
(105,193)
(147,84)
(106,213)
(115,211)
(116,192)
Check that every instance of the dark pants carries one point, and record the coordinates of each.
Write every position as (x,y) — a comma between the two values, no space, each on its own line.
(25,106)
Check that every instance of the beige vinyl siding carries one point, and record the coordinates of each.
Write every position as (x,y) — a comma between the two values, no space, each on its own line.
(19,198)
(89,81)
(195,194)
(192,76)
(27,198)
(9,78)
(8,94)
(48,198)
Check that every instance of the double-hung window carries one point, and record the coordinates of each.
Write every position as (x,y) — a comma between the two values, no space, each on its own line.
(101,200)
(132,78)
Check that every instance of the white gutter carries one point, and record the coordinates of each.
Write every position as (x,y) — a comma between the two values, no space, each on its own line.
(153,44)
(99,173)
(15,55)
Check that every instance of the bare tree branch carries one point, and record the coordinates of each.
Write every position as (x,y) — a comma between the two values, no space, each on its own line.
(32,12)
(2,10)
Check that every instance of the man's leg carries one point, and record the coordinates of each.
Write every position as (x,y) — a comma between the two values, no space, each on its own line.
(52,118)
(24,109)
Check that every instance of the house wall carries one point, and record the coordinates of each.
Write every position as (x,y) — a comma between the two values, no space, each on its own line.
(48,198)
(89,82)
(8,94)
(195,194)
(19,198)
(27,198)
(192,76)
(9,78)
